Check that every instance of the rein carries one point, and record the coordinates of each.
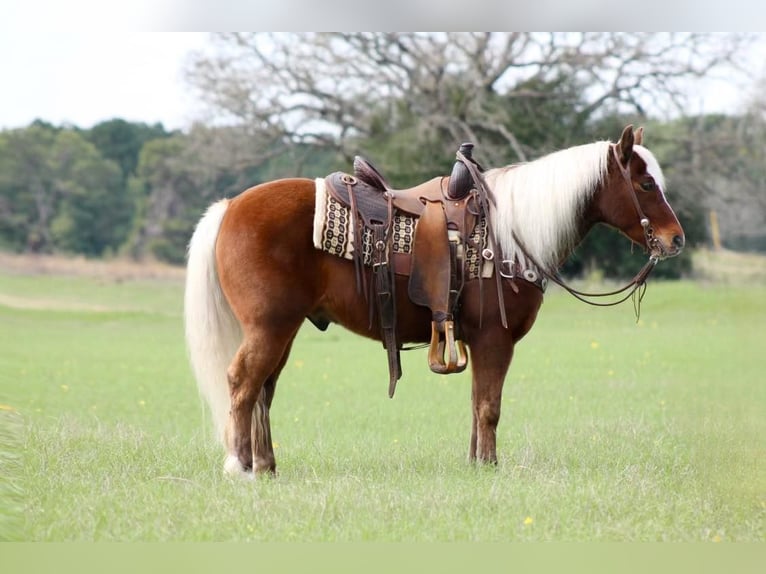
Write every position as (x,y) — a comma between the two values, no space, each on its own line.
(638,282)
(636,287)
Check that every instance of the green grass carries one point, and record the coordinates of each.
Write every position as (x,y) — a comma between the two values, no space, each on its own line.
(611,430)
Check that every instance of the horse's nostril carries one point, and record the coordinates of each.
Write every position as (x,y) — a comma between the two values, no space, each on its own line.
(678,241)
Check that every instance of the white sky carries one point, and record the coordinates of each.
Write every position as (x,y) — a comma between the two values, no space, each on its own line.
(83,78)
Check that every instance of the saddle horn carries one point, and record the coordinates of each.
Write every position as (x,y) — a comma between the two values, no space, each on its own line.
(460,181)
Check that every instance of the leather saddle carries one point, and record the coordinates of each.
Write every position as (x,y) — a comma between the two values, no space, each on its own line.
(447,210)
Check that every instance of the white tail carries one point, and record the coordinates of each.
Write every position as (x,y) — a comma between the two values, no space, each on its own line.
(213,333)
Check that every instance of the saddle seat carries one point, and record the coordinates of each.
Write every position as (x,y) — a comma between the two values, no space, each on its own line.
(413,200)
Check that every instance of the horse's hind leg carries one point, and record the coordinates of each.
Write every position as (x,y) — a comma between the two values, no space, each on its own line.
(260,434)
(261,356)
(260,437)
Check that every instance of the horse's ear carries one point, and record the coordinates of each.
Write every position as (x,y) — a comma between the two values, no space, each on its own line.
(625,145)
(638,136)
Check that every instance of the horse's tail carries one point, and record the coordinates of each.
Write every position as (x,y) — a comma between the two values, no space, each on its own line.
(213,333)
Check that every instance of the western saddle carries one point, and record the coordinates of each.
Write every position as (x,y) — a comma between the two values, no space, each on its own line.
(446,210)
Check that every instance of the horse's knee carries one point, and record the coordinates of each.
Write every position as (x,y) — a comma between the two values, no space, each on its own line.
(488,414)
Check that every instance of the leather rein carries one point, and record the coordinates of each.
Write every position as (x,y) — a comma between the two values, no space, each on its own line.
(637,285)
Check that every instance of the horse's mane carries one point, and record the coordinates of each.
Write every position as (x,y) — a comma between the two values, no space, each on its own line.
(541,201)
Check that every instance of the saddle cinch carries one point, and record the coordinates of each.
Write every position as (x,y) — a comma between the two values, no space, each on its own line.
(446,210)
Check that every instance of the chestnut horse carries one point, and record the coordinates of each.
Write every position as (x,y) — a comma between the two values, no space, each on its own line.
(254,276)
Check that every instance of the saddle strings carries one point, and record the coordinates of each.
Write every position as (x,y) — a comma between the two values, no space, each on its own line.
(484,200)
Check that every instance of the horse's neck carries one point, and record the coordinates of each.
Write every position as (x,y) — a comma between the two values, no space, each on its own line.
(584,228)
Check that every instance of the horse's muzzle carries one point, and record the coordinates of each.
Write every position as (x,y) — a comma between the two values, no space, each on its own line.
(664,249)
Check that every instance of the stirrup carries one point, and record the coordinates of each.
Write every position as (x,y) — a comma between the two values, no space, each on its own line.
(446,355)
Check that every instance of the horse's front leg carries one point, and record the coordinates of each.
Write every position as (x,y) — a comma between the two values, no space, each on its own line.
(490,362)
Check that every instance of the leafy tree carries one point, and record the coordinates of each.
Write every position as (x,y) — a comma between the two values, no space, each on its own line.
(162,180)
(58,193)
(178,177)
(28,196)
(121,141)
(94,214)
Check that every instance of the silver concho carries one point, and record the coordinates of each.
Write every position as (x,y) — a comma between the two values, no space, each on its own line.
(530,275)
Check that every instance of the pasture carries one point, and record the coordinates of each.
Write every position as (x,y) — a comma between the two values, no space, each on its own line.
(611,430)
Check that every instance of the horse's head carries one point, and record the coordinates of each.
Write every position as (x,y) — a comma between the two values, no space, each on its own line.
(632,198)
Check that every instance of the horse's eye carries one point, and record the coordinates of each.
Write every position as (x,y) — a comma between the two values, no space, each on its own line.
(648,186)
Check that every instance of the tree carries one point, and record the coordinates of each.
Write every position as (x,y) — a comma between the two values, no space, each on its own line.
(121,141)
(163,178)
(58,193)
(94,213)
(28,196)
(336,89)
(179,176)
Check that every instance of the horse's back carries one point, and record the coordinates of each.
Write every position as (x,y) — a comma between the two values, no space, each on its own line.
(271,207)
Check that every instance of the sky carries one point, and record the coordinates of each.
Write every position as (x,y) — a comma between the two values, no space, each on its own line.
(86,78)
(83,78)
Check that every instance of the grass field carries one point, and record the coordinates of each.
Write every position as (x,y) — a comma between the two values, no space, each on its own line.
(611,430)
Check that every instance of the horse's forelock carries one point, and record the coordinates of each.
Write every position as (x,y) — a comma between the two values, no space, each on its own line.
(652,165)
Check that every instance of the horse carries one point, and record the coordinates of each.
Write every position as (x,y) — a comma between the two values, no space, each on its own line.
(254,276)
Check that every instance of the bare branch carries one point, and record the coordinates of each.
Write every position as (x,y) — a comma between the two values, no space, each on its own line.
(333,88)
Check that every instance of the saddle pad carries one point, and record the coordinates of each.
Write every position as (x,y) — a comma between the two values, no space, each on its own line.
(333,232)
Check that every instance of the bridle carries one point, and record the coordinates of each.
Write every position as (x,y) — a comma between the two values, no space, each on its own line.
(636,287)
(653,244)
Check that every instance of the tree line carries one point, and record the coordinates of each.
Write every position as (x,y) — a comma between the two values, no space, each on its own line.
(303,105)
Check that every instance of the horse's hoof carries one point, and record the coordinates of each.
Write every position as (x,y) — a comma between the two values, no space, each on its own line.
(233,467)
